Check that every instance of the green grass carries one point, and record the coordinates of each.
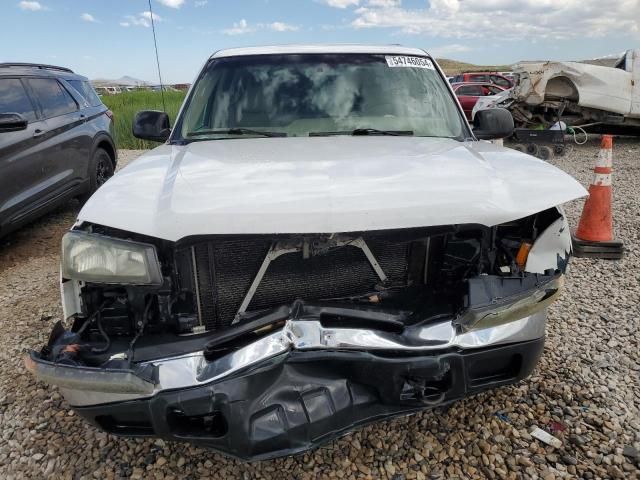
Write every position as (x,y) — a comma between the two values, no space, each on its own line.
(125,105)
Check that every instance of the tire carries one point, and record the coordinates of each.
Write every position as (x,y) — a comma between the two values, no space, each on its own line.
(559,150)
(519,147)
(100,170)
(545,153)
(532,149)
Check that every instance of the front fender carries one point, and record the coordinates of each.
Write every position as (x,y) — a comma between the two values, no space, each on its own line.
(552,248)
(103,140)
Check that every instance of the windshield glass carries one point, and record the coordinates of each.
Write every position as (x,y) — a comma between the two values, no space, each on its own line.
(332,94)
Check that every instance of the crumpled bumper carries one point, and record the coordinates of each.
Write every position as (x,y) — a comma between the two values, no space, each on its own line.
(300,386)
(302,399)
(289,380)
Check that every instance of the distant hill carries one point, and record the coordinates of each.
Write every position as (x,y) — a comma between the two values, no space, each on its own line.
(126,81)
(131,81)
(453,67)
(606,61)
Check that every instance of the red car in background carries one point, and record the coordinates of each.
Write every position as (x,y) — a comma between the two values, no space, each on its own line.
(469,92)
(484,77)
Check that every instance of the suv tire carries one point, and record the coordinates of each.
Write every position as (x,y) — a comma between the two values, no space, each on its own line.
(100,170)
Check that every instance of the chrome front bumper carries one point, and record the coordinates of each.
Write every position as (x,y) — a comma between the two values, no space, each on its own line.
(85,386)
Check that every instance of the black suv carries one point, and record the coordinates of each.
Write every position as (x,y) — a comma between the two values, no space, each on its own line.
(55,141)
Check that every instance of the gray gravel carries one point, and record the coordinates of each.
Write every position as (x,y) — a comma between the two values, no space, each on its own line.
(585,390)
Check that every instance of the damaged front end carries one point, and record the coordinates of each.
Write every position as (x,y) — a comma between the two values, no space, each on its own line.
(267,345)
(579,94)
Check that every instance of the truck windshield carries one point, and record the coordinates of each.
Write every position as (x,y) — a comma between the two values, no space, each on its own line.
(319,94)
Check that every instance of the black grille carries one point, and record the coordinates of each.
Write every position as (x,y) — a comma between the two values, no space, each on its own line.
(224,270)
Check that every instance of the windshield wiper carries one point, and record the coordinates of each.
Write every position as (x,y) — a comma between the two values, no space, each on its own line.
(364,131)
(236,131)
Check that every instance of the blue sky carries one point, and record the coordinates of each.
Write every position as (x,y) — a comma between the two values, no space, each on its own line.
(112,38)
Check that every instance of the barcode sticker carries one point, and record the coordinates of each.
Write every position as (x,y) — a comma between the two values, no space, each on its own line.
(410,62)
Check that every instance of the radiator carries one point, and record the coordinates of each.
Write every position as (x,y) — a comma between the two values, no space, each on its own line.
(222,270)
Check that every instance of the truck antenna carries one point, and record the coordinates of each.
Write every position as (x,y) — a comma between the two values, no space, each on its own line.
(155,44)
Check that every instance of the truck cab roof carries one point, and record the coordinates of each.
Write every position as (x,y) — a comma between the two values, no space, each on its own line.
(334,48)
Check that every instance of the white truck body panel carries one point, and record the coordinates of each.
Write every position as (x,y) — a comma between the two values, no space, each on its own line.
(325,185)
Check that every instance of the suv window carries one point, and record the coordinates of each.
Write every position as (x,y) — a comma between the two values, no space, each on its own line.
(86,90)
(478,78)
(53,98)
(500,81)
(472,90)
(14,98)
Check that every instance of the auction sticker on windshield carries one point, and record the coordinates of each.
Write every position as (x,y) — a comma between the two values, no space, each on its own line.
(411,62)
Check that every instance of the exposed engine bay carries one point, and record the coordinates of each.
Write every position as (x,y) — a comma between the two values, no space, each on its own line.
(211,284)
(227,315)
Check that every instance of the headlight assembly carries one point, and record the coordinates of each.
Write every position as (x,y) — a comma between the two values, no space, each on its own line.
(95,258)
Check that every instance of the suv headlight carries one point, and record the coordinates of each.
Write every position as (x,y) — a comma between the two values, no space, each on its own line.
(99,259)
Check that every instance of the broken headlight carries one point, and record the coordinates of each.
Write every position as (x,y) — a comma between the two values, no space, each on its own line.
(510,308)
(98,259)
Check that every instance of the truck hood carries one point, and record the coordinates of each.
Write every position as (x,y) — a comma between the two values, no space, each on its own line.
(324,185)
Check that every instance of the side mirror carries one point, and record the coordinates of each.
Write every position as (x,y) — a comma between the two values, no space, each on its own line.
(12,122)
(151,125)
(492,124)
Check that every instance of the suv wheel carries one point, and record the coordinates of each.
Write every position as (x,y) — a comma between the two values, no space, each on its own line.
(100,170)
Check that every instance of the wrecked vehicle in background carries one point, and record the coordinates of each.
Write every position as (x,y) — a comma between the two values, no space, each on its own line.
(335,249)
(604,98)
(469,93)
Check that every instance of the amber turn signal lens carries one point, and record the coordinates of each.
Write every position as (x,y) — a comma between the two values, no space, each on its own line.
(523,254)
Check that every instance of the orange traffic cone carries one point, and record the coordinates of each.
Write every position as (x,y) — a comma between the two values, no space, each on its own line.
(594,236)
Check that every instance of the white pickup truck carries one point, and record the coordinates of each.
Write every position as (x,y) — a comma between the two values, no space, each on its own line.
(581,93)
(320,242)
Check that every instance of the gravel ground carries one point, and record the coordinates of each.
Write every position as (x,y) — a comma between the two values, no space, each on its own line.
(585,390)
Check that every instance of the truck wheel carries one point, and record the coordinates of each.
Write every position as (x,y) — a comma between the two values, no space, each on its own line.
(545,153)
(100,170)
(532,149)
(559,150)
